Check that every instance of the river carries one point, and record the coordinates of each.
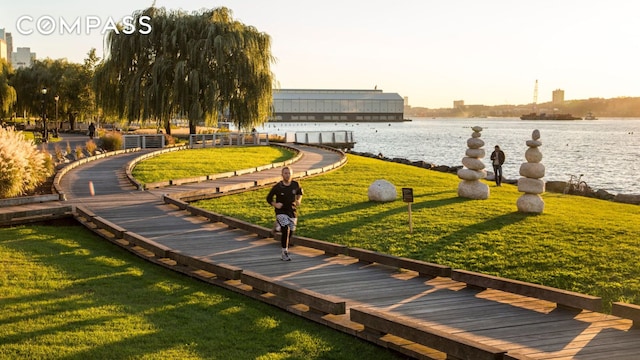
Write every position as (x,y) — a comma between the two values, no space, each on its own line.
(606,151)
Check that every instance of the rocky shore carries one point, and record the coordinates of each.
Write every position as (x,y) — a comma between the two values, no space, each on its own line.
(550,186)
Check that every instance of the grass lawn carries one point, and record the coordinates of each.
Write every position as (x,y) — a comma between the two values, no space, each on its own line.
(201,162)
(68,294)
(580,244)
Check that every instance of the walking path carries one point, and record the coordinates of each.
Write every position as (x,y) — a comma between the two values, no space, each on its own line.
(441,312)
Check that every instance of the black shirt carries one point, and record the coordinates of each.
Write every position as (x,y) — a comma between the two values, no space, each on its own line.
(285,194)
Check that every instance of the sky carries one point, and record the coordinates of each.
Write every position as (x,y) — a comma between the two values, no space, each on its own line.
(488,52)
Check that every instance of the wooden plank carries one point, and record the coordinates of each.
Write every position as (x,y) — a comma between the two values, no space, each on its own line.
(35,214)
(422,267)
(182,205)
(453,345)
(323,303)
(157,249)
(224,271)
(117,231)
(213,217)
(562,297)
(627,311)
(329,248)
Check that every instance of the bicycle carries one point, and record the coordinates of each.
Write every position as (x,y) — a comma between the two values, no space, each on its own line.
(576,186)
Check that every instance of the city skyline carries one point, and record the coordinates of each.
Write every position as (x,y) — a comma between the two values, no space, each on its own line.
(434,53)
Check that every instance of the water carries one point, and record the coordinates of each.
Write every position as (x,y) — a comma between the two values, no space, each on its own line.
(606,151)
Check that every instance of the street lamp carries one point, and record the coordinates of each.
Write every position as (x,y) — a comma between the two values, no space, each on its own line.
(57,124)
(45,133)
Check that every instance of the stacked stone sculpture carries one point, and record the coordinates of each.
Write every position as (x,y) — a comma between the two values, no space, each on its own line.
(531,183)
(470,186)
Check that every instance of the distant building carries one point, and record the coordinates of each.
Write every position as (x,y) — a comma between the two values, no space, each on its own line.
(6,45)
(557,97)
(336,105)
(458,104)
(23,57)
(3,51)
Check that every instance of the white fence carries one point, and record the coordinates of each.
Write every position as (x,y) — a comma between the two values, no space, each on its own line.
(227,138)
(337,139)
(143,141)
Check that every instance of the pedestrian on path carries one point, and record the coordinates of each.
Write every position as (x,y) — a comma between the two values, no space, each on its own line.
(92,131)
(285,197)
(497,159)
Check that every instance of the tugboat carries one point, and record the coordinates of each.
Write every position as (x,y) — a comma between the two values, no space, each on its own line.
(544,116)
(590,116)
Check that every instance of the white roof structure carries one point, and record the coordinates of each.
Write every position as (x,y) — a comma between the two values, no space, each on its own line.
(336,105)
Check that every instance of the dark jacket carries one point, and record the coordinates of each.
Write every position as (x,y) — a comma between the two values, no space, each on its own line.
(499,154)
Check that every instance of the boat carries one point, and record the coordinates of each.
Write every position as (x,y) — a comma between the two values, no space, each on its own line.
(544,116)
(590,116)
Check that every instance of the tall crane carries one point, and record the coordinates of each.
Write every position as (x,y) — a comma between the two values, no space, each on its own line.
(535,97)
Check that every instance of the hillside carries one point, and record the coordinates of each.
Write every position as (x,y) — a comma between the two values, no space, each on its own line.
(616,107)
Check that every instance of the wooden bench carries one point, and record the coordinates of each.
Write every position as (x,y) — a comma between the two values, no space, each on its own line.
(316,302)
(423,268)
(455,346)
(561,297)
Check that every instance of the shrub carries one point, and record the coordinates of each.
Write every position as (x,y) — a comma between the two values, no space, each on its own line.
(111,141)
(58,151)
(91,147)
(79,152)
(22,166)
(169,140)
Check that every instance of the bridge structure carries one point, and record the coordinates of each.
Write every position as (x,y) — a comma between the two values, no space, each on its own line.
(420,309)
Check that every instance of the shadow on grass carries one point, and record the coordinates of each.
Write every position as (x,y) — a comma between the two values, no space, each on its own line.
(489,225)
(377,216)
(132,309)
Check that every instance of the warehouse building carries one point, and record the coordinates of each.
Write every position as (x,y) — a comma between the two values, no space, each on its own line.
(297,105)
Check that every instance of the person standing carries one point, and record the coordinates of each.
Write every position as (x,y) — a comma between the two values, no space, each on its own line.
(92,131)
(285,197)
(497,159)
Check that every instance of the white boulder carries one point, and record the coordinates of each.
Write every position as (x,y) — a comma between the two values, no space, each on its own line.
(473,190)
(532,170)
(466,174)
(533,155)
(382,191)
(530,203)
(473,163)
(530,186)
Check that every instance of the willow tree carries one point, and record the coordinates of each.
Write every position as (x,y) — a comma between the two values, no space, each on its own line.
(7,92)
(202,65)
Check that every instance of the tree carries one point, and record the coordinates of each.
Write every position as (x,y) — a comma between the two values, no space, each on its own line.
(71,82)
(202,65)
(7,92)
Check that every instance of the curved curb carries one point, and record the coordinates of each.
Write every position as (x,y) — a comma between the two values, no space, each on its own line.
(209,193)
(174,182)
(62,172)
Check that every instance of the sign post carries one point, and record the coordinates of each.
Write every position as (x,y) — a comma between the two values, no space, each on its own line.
(407,196)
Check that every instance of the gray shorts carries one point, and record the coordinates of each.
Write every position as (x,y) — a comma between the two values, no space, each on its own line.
(284,220)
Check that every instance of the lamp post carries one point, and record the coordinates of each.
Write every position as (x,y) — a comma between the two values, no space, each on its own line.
(56,98)
(45,132)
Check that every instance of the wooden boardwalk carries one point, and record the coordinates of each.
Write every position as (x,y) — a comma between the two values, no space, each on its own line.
(505,324)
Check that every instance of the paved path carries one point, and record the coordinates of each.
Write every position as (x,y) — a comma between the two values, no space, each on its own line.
(517,324)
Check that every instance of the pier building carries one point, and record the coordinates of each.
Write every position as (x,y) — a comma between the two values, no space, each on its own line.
(299,105)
